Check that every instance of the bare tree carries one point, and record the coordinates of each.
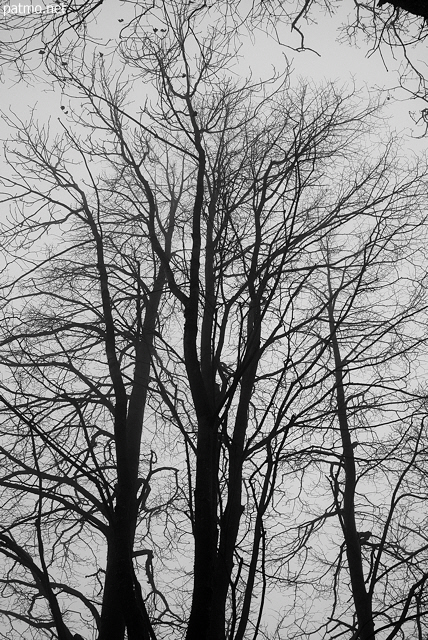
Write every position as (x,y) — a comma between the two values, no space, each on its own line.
(164,371)
(377,432)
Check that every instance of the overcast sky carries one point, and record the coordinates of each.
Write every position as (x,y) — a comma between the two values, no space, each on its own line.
(342,62)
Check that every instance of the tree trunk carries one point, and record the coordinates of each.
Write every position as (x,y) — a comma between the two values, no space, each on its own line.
(362,600)
(205,532)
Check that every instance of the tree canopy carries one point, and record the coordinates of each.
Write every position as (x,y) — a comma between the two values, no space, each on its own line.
(382,24)
(212,343)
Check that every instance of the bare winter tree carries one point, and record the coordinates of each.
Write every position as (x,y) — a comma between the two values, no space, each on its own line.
(373,455)
(386,328)
(168,315)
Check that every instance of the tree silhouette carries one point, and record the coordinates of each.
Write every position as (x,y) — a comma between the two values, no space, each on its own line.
(178,326)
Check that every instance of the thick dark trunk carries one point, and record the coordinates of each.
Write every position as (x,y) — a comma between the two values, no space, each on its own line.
(361,598)
(123,606)
(112,624)
(205,507)
(205,532)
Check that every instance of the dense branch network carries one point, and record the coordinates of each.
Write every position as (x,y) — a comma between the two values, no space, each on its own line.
(212,335)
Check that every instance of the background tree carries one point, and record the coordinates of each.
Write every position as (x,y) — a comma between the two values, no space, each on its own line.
(351,493)
(376,434)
